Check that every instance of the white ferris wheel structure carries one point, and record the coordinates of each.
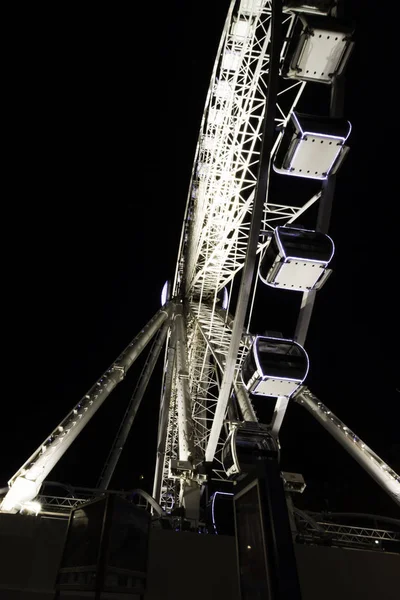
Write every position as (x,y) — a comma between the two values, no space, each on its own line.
(238,234)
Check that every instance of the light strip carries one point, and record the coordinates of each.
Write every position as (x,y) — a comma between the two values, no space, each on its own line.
(212,508)
(280,340)
(325,135)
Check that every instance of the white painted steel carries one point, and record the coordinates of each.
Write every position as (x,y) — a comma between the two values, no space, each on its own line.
(220,202)
(131,411)
(217,219)
(183,391)
(279,413)
(26,482)
(213,246)
(384,475)
(215,231)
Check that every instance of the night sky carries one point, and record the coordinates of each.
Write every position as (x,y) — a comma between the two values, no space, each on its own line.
(103,114)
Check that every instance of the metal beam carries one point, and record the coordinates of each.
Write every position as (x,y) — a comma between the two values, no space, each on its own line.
(304,318)
(261,193)
(163,416)
(279,413)
(131,411)
(388,479)
(185,426)
(26,482)
(245,405)
(324,214)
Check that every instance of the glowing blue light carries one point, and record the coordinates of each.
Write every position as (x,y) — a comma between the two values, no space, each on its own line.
(225,299)
(212,507)
(164,293)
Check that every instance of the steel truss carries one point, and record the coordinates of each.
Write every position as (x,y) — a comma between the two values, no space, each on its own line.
(208,338)
(310,527)
(356,535)
(216,231)
(212,331)
(58,506)
(318,530)
(61,506)
(221,194)
(205,345)
(216,228)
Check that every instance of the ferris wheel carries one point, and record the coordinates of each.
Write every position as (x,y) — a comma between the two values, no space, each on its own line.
(239,232)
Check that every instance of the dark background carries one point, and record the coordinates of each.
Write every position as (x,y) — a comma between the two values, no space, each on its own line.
(103,112)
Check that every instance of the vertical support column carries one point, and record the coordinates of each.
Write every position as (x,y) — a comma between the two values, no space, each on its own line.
(303,321)
(163,416)
(261,191)
(190,489)
(279,413)
(132,409)
(202,397)
(324,211)
(185,426)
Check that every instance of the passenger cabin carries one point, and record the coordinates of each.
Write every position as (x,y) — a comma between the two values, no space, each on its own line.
(312,147)
(245,443)
(297,259)
(314,7)
(318,50)
(274,367)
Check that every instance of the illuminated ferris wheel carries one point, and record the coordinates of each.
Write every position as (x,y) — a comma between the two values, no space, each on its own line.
(238,233)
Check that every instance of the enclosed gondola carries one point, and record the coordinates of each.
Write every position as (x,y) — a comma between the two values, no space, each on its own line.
(274,367)
(318,50)
(246,443)
(296,259)
(312,147)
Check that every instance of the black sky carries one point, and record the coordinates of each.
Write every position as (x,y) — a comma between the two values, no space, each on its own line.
(103,114)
